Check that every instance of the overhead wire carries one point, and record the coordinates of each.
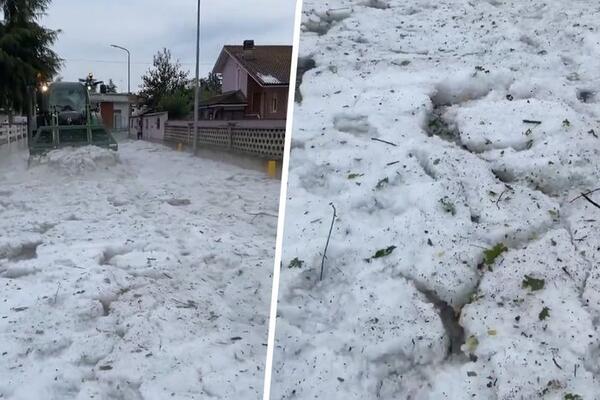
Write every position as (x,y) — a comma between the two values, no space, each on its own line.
(125,62)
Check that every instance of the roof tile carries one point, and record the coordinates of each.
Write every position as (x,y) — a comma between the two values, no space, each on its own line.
(270,64)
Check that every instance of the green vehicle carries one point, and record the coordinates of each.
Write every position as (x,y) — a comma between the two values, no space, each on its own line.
(63,117)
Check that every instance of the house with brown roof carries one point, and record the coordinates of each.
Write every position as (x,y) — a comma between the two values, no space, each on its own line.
(255,83)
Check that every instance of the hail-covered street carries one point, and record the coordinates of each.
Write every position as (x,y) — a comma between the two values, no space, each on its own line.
(142,274)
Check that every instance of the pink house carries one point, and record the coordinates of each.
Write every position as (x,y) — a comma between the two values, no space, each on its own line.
(255,83)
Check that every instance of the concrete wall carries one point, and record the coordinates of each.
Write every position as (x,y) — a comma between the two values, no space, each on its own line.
(259,138)
(246,123)
(12,133)
(230,77)
(17,119)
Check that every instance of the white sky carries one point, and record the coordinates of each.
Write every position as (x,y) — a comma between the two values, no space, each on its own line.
(146,26)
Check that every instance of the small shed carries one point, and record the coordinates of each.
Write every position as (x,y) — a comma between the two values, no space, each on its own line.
(148,125)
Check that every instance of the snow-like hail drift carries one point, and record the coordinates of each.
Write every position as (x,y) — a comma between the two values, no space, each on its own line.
(451,137)
(142,274)
(77,160)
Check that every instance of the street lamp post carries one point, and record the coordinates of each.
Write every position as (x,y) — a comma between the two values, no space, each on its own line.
(128,85)
(128,66)
(197,83)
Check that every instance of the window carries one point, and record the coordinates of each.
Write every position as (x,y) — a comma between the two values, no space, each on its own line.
(274,104)
(157,122)
(147,123)
(239,80)
(68,97)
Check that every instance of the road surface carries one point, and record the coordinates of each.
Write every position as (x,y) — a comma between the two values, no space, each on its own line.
(141,276)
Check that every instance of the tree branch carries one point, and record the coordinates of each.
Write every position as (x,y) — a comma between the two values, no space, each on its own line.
(384,141)
(327,243)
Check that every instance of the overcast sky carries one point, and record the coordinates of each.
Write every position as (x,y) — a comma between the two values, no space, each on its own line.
(146,26)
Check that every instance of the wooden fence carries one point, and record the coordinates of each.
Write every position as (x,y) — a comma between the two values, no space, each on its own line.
(261,138)
(10,133)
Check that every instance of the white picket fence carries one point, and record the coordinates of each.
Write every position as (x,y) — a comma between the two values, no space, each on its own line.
(12,133)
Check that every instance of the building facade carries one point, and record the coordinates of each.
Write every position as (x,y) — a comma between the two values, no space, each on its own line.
(255,83)
(115,108)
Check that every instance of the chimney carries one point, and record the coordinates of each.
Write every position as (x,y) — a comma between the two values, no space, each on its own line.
(249,50)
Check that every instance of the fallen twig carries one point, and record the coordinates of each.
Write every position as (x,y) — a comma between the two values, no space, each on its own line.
(531,121)
(587,193)
(384,141)
(478,246)
(327,243)
(256,214)
(555,363)
(392,163)
(189,304)
(500,197)
(261,213)
(56,294)
(585,196)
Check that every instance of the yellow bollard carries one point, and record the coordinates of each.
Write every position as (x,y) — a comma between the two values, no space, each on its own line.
(179,146)
(272,168)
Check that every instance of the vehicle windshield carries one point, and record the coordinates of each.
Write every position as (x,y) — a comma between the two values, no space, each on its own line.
(68,98)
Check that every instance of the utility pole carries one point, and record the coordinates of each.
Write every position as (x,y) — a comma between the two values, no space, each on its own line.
(197,83)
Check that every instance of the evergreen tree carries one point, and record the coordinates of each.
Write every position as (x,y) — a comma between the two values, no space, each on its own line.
(25,55)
